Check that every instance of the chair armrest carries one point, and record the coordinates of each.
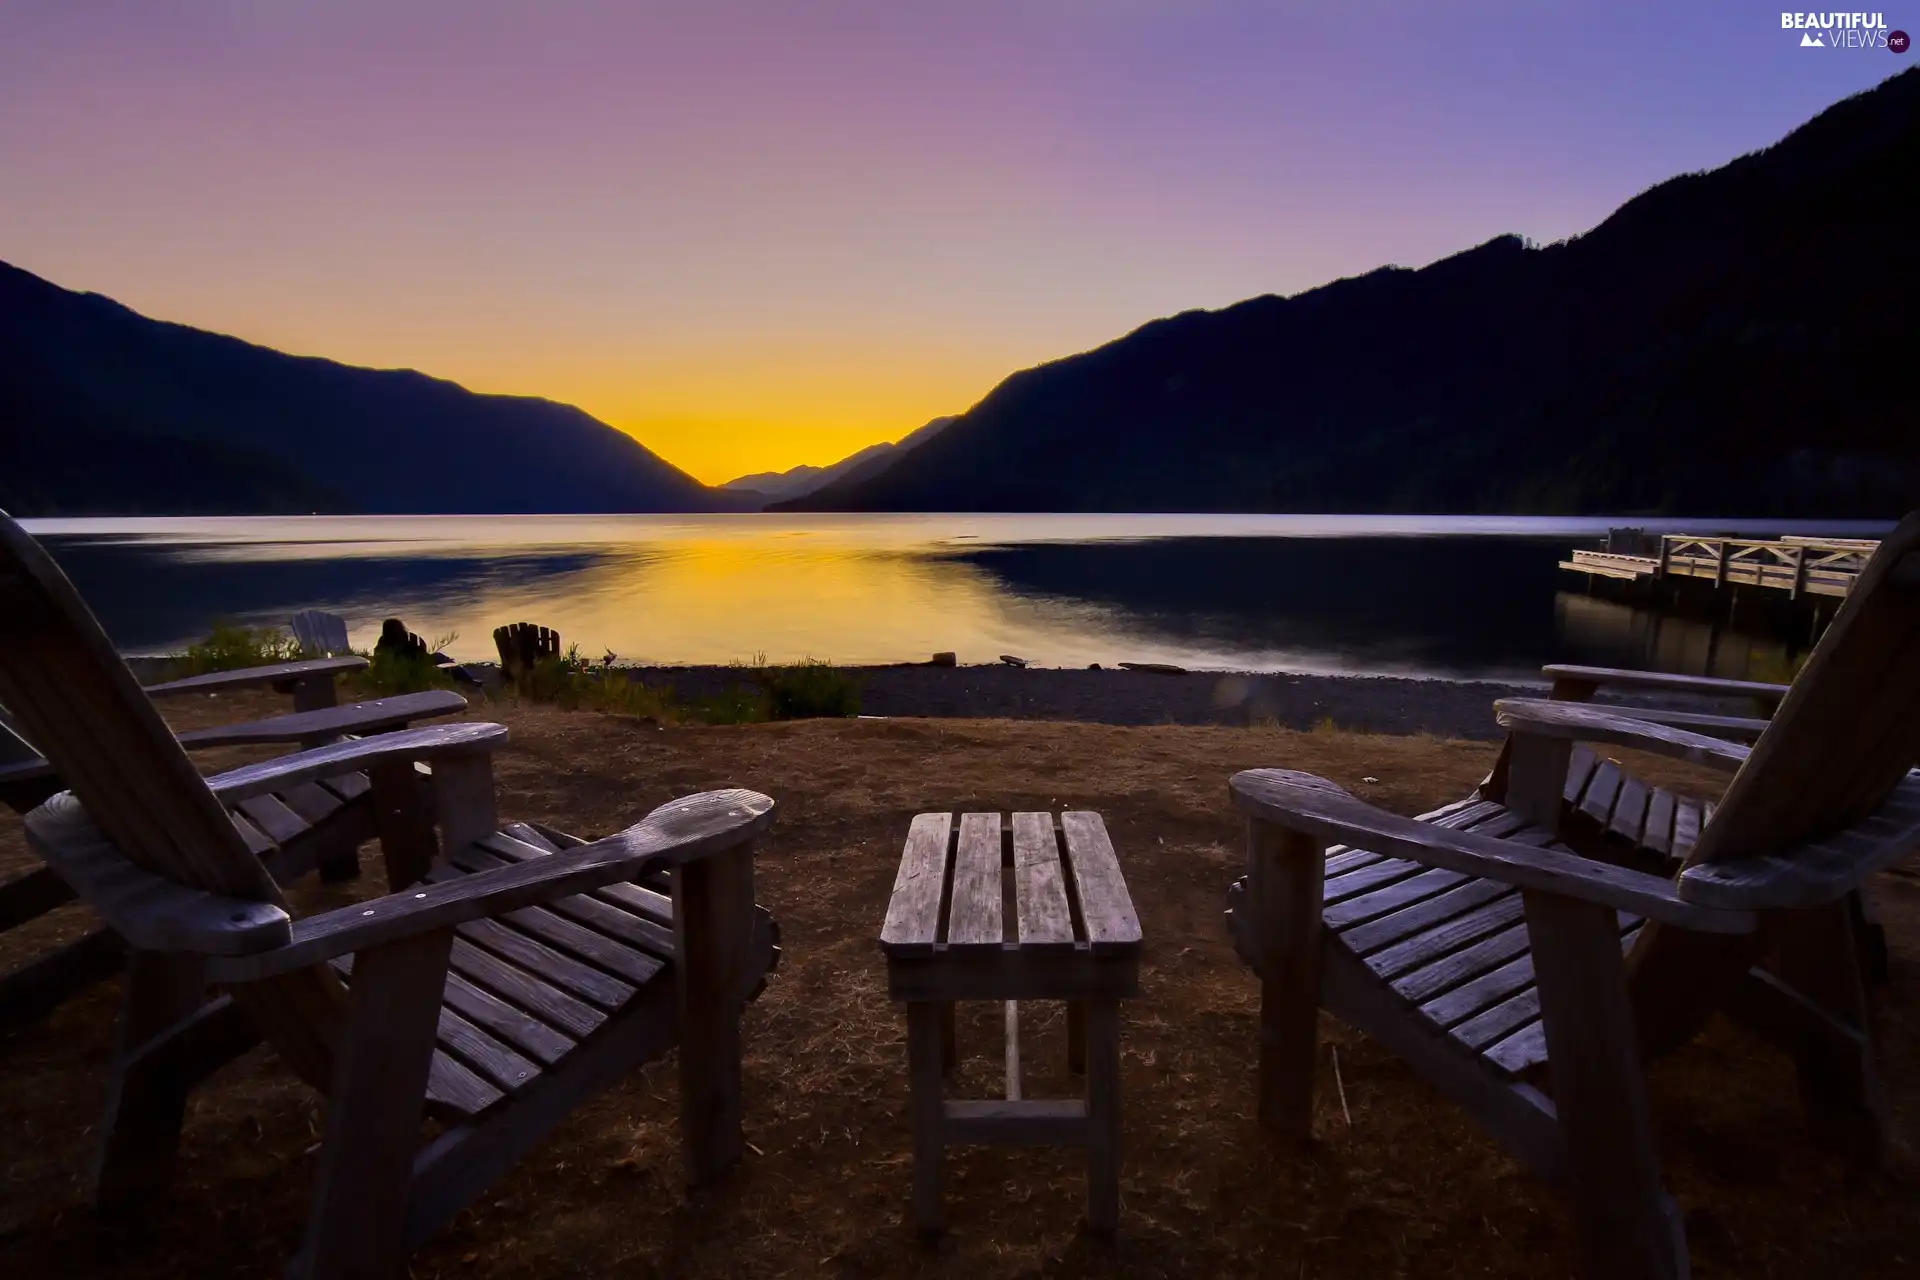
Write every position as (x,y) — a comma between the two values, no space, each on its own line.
(1732,728)
(1315,807)
(673,835)
(359,717)
(329,722)
(150,911)
(247,677)
(1584,722)
(1818,872)
(1581,681)
(336,758)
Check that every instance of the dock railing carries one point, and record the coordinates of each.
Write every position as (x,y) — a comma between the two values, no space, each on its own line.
(1800,566)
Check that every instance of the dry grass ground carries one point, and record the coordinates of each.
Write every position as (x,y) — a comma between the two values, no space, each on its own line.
(1409,1188)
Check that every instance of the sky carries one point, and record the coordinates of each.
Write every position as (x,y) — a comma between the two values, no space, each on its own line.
(758,233)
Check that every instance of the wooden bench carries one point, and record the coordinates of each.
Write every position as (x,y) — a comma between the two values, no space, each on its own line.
(1075,938)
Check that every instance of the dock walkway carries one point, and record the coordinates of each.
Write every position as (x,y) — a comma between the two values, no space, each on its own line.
(1801,567)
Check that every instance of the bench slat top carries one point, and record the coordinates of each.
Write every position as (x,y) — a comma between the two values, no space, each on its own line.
(959,873)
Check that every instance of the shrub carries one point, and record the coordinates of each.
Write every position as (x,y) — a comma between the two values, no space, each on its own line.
(570,681)
(230,648)
(811,687)
(621,694)
(391,671)
(735,704)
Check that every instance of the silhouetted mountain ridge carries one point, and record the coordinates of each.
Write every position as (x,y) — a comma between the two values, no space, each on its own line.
(1724,342)
(796,482)
(104,411)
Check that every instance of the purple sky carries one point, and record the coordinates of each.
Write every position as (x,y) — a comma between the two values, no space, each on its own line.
(755,233)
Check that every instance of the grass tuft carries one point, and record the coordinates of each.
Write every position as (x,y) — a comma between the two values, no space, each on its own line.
(230,648)
(810,688)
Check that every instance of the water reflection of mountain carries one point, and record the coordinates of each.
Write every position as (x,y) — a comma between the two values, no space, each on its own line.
(1474,604)
(157,596)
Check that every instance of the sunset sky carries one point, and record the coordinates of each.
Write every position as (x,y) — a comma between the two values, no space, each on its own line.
(755,233)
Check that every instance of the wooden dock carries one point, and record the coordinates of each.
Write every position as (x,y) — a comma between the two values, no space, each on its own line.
(1801,567)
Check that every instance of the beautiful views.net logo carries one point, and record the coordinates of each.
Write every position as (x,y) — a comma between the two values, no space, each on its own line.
(1844,31)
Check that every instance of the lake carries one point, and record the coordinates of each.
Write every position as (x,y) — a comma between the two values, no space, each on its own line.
(1425,596)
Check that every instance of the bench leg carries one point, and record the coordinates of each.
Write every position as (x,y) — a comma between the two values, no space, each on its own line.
(1103,1115)
(949,1038)
(1077,1036)
(924,1055)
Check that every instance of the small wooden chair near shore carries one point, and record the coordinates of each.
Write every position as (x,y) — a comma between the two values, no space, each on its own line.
(1527,981)
(320,634)
(521,646)
(510,973)
(293,830)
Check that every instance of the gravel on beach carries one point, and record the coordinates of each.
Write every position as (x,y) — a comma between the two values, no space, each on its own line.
(1377,704)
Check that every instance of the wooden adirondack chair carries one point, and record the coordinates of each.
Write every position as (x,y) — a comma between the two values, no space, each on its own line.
(293,830)
(521,646)
(1653,825)
(1527,981)
(497,985)
(320,634)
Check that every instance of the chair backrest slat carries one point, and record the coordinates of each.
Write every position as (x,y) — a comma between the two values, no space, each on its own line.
(14,749)
(72,695)
(1848,730)
(1845,734)
(320,634)
(75,699)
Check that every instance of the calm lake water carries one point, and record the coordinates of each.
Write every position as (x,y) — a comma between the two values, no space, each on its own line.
(1438,596)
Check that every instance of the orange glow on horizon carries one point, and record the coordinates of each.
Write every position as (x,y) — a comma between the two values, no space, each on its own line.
(722,414)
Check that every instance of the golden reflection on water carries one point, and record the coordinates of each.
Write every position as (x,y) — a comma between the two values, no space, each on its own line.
(892,588)
(716,600)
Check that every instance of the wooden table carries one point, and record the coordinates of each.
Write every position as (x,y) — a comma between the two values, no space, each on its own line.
(1075,938)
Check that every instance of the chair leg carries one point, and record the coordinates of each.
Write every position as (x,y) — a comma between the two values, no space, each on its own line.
(340,866)
(31,896)
(37,988)
(403,816)
(1870,935)
(1818,958)
(374,1106)
(713,935)
(1286,873)
(1628,1225)
(146,1099)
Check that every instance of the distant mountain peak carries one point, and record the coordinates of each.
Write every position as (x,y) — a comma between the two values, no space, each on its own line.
(797,482)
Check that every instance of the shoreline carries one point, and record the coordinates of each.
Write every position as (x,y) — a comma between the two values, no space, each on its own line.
(1447,708)
(1368,704)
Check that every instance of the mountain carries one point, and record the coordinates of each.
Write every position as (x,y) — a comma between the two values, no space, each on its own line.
(776,486)
(103,411)
(1726,343)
